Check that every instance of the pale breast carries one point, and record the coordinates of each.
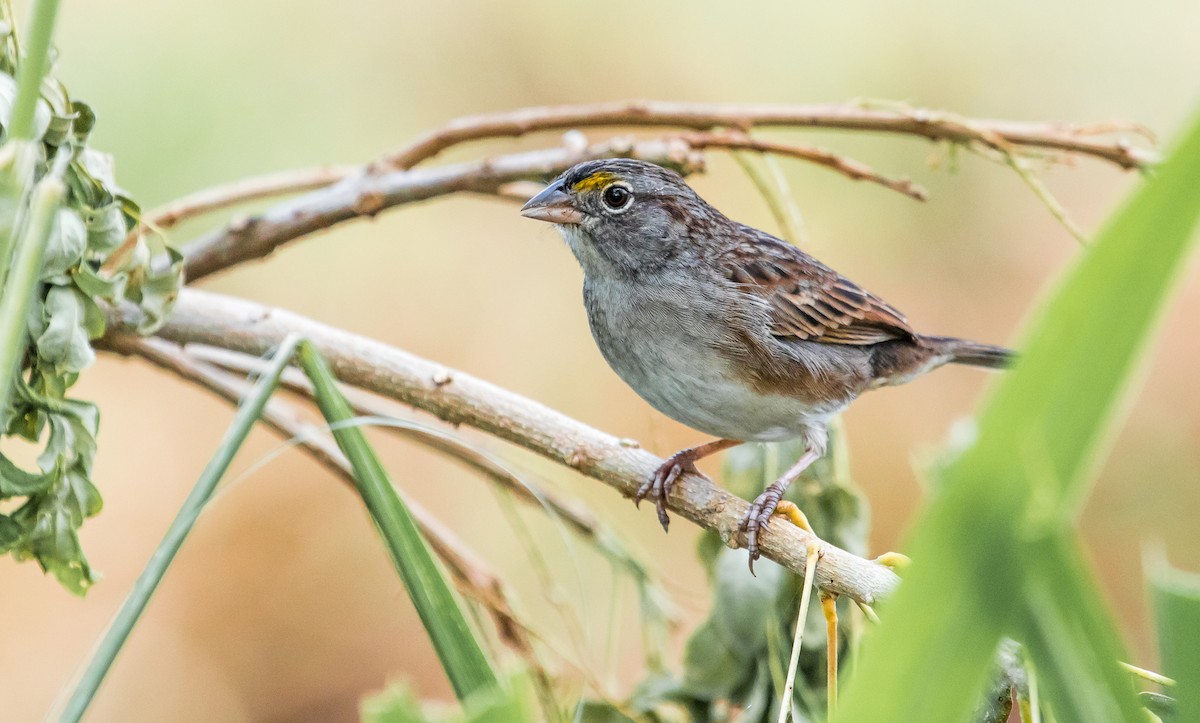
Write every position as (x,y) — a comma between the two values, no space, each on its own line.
(672,345)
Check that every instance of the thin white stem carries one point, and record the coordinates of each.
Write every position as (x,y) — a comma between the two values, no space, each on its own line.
(812,553)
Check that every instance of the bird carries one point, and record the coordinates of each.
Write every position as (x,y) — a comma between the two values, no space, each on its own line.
(725,328)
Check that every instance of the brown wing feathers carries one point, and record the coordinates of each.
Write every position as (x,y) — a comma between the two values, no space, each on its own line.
(810,301)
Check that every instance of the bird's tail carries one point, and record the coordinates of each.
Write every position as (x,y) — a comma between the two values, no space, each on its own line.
(972,353)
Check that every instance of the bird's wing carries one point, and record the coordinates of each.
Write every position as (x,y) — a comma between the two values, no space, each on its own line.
(807,299)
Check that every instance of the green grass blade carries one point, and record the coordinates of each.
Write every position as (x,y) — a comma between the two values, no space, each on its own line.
(248,412)
(1029,468)
(1092,334)
(1176,597)
(32,69)
(456,646)
(1067,632)
(21,284)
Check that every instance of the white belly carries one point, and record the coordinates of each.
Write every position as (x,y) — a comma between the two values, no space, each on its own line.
(663,348)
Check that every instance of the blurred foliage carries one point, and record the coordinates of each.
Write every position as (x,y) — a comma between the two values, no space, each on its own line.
(89,257)
(734,662)
(998,537)
(511,703)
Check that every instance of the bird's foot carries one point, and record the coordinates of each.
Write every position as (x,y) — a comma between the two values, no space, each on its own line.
(794,514)
(759,516)
(659,485)
(894,560)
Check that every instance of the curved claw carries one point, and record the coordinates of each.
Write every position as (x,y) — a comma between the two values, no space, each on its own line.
(660,483)
(757,518)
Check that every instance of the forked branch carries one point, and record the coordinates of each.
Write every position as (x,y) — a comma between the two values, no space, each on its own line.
(342,194)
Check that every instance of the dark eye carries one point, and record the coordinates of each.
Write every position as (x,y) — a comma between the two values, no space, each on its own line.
(617,197)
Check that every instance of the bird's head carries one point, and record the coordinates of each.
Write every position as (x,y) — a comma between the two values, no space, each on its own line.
(629,214)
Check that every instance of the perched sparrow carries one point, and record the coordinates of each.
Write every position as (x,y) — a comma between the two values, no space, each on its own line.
(723,327)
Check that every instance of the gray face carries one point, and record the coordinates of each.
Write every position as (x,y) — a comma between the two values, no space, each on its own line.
(631,216)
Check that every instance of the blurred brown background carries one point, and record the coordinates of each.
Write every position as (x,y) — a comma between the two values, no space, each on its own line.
(282,605)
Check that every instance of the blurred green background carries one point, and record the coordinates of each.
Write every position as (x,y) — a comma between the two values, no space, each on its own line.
(283,605)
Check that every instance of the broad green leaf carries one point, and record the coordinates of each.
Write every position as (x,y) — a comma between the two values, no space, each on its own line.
(8,98)
(743,602)
(1064,613)
(106,228)
(1176,598)
(65,343)
(93,317)
(158,291)
(85,121)
(462,658)
(1025,475)
(49,522)
(711,669)
(16,482)
(92,283)
(64,249)
(46,524)
(10,533)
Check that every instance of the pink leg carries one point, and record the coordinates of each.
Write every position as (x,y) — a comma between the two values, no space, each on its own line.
(660,483)
(759,514)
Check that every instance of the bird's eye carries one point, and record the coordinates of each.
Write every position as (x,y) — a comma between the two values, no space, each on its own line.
(617,197)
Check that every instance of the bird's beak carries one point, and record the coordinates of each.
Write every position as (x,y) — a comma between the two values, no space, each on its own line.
(552,205)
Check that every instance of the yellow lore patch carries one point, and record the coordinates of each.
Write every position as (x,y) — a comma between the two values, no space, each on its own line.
(598,179)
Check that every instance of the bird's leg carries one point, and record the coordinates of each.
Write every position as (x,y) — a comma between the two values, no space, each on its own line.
(759,514)
(660,483)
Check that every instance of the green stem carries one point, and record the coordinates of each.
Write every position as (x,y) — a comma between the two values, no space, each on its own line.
(152,575)
(462,658)
(21,284)
(32,68)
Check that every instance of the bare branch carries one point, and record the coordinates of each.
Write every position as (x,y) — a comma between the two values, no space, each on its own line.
(848,167)
(458,398)
(934,125)
(242,191)
(366,194)
(571,512)
(380,185)
(473,575)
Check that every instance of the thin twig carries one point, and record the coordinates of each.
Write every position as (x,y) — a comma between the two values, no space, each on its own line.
(1048,200)
(786,213)
(242,191)
(785,700)
(366,194)
(848,167)
(458,398)
(930,124)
